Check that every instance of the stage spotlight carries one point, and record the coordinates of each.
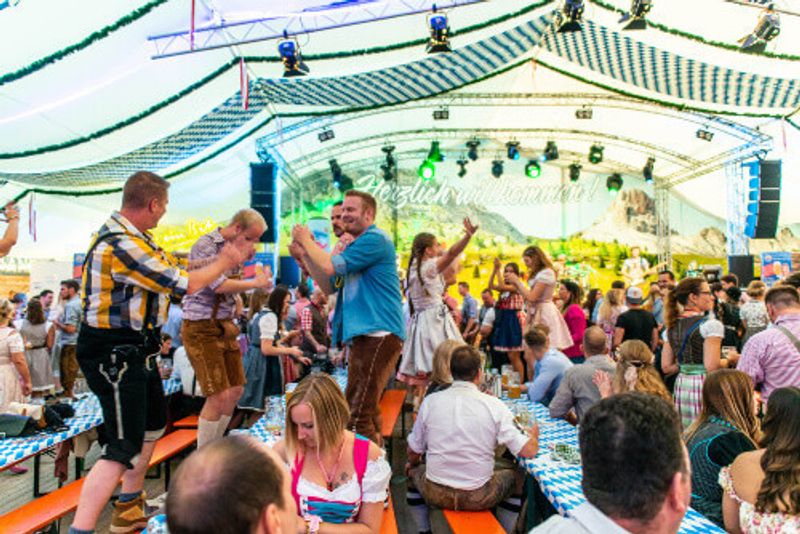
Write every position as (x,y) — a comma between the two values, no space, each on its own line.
(427,170)
(472,149)
(325,135)
(512,150)
(550,151)
(497,168)
(705,135)
(533,169)
(767,28)
(585,113)
(639,8)
(575,171)
(596,154)
(289,50)
(340,181)
(440,33)
(647,172)
(434,154)
(572,14)
(389,168)
(462,167)
(441,114)
(614,184)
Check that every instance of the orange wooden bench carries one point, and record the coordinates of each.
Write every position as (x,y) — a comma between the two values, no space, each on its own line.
(389,522)
(187,422)
(43,511)
(469,522)
(391,407)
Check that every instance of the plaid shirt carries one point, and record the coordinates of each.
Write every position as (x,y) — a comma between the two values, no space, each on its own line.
(122,271)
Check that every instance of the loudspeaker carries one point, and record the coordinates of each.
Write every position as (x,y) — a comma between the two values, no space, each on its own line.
(769,199)
(265,198)
(742,267)
(289,271)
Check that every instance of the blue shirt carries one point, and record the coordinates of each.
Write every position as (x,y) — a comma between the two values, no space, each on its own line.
(658,311)
(549,372)
(469,309)
(72,316)
(369,297)
(173,325)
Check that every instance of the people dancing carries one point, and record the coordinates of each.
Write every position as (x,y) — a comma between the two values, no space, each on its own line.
(431,322)
(539,297)
(507,334)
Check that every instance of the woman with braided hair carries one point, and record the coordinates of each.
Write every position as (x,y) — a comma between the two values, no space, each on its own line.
(431,322)
(762,487)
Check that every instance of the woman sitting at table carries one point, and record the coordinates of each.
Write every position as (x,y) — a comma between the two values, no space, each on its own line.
(762,487)
(635,372)
(339,479)
(441,378)
(727,426)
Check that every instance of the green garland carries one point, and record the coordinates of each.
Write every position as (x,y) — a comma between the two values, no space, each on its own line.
(245,135)
(254,59)
(88,41)
(697,38)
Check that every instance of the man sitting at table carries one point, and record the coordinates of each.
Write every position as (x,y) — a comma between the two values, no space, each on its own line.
(234,484)
(629,487)
(458,429)
(577,389)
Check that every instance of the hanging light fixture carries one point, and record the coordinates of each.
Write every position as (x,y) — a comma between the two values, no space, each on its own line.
(533,169)
(439,28)
(292,59)
(614,184)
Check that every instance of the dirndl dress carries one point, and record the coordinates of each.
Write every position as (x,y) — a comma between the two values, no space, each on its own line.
(38,357)
(263,374)
(545,312)
(430,325)
(507,334)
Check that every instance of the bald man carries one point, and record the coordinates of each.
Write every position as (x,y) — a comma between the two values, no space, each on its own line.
(577,389)
(235,484)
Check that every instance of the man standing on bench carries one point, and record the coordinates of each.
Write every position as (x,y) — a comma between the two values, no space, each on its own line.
(127,280)
(209,333)
(369,310)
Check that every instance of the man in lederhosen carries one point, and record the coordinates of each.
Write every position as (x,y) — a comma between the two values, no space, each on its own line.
(127,280)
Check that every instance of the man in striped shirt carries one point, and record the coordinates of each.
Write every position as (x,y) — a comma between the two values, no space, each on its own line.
(127,280)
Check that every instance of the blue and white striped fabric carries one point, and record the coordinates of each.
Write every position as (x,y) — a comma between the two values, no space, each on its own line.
(87,416)
(613,54)
(419,79)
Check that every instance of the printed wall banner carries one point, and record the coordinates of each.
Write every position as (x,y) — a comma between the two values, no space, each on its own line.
(77,265)
(775,266)
(261,259)
(320,228)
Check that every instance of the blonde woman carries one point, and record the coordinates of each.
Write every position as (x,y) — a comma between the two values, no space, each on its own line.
(441,377)
(635,372)
(726,427)
(753,313)
(15,379)
(610,310)
(339,479)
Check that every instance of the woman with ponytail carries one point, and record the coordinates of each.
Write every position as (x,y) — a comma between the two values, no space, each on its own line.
(694,343)
(539,296)
(431,322)
(762,487)
(635,372)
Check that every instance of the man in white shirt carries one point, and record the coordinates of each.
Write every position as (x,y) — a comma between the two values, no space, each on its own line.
(458,430)
(629,488)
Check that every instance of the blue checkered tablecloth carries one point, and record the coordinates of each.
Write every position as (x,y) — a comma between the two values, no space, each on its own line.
(87,416)
(561,482)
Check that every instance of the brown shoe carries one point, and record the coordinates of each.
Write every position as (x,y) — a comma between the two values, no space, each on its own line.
(129,516)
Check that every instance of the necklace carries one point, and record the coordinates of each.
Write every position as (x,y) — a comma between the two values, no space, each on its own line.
(330,478)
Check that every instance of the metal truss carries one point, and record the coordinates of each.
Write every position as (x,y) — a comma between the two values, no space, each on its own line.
(663,229)
(252,31)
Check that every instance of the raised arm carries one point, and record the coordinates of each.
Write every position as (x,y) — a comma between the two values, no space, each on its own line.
(12,230)
(458,247)
(495,282)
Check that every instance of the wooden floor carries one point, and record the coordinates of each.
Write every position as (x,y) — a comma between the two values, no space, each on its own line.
(16,490)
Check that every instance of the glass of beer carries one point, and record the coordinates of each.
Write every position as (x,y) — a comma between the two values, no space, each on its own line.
(514,389)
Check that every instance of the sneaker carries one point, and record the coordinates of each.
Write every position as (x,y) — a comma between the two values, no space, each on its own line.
(129,516)
(18,470)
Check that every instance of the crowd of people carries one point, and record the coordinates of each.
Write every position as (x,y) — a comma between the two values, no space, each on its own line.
(705,374)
